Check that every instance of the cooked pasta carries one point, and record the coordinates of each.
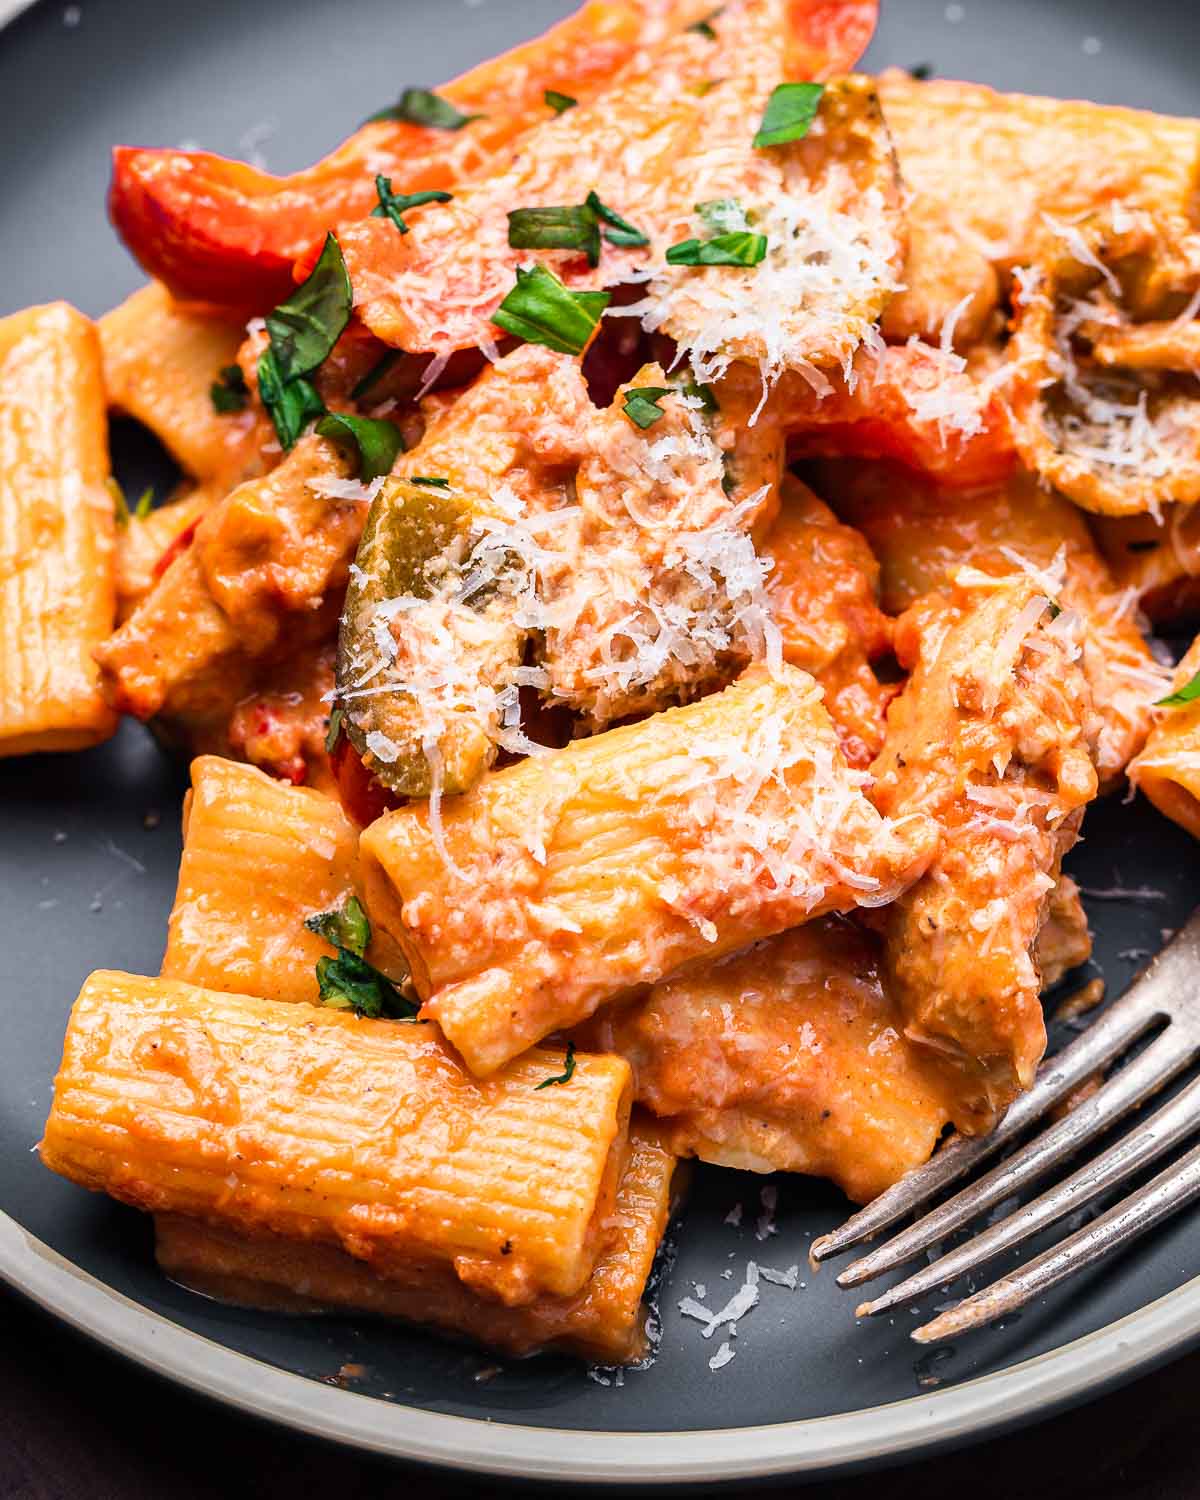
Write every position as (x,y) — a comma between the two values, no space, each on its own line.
(664,559)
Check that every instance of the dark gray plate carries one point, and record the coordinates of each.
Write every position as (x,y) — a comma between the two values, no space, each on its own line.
(84,882)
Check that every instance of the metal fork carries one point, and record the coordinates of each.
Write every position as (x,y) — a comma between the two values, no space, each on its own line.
(1166,994)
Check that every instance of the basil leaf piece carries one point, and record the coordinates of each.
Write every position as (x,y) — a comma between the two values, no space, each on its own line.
(565,1076)
(703,27)
(121,512)
(305,328)
(333,732)
(392,205)
(228,391)
(559,103)
(1188,693)
(424,107)
(740,249)
(376,373)
(540,310)
(641,404)
(705,394)
(619,231)
(430,481)
(348,982)
(291,404)
(346,926)
(555,229)
(375,442)
(790,111)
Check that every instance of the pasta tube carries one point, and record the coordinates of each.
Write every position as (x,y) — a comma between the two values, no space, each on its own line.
(602,1322)
(57,597)
(562,881)
(317,1125)
(259,856)
(1168,769)
(160,364)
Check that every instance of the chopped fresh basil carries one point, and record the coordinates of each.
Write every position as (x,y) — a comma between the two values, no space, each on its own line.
(1188,693)
(739,249)
(618,231)
(376,373)
(705,394)
(559,103)
(641,404)
(121,509)
(351,983)
(703,27)
(540,310)
(375,442)
(228,391)
(556,229)
(334,730)
(921,71)
(432,481)
(343,927)
(790,111)
(567,1073)
(393,205)
(292,404)
(424,107)
(305,328)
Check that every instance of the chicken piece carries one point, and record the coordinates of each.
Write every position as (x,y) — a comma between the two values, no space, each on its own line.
(824,595)
(924,534)
(994,737)
(788,1056)
(530,522)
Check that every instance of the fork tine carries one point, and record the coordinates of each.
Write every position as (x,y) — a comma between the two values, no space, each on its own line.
(1148,1072)
(1163,1196)
(1120,1025)
(1170,1125)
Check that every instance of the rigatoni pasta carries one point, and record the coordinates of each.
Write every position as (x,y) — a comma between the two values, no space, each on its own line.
(57,596)
(1168,769)
(561,882)
(317,1125)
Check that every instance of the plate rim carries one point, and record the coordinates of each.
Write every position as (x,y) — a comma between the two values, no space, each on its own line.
(952,1416)
(869,1437)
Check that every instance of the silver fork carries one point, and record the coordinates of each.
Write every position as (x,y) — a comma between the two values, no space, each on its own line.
(1167,993)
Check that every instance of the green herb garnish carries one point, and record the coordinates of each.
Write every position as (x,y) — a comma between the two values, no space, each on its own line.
(540,310)
(723,215)
(641,404)
(1188,693)
(556,229)
(567,1073)
(349,982)
(559,103)
(705,394)
(303,331)
(376,443)
(618,231)
(790,111)
(921,71)
(424,107)
(432,481)
(703,27)
(228,391)
(393,205)
(334,730)
(140,511)
(741,248)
